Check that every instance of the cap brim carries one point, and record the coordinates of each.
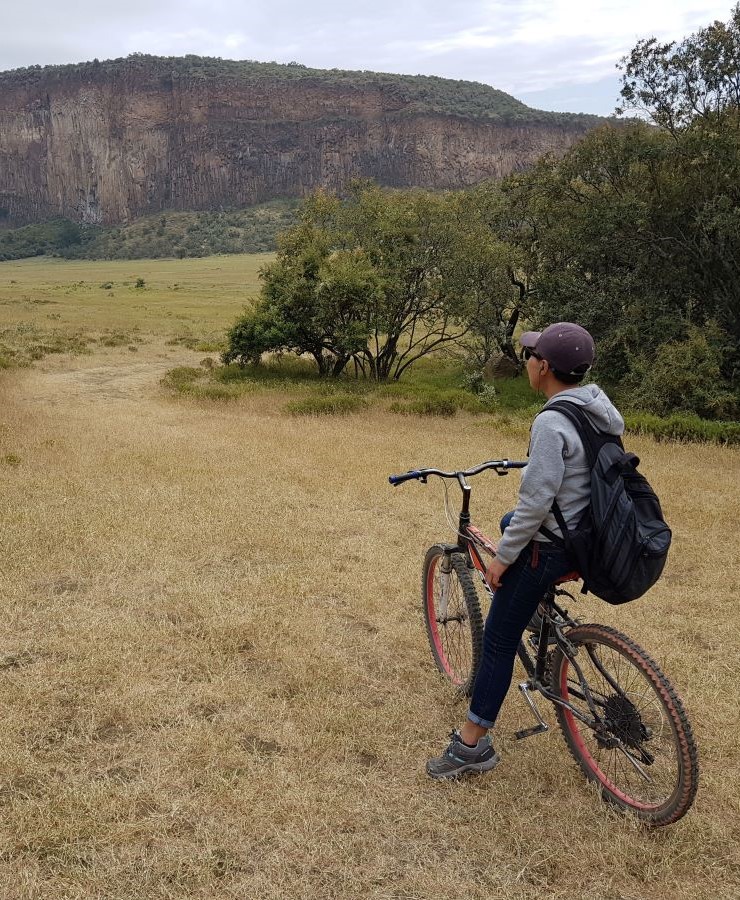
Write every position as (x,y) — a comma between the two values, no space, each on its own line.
(530,338)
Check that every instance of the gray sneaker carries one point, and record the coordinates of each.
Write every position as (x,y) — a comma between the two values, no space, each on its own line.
(458,758)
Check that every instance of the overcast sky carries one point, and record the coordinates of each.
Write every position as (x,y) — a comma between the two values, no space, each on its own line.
(552,54)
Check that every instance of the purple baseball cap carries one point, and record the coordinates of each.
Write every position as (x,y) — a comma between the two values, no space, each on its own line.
(567,347)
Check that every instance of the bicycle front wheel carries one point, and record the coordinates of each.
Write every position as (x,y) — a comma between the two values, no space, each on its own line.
(638,748)
(452,615)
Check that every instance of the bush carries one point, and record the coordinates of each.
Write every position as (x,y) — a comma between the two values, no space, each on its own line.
(439,405)
(683,376)
(683,428)
(116,339)
(329,405)
(212,391)
(484,391)
(182,378)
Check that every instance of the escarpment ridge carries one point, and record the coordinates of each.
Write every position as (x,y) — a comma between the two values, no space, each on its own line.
(105,142)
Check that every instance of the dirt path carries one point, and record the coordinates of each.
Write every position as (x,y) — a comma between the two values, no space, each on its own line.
(105,375)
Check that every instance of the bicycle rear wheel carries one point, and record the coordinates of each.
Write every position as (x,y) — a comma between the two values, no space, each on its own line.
(452,615)
(641,751)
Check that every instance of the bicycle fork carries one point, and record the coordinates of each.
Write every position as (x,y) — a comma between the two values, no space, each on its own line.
(445,570)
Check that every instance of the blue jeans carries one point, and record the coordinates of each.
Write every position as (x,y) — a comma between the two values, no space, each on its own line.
(522,588)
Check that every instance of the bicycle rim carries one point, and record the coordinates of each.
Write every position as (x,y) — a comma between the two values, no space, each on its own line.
(455,635)
(643,754)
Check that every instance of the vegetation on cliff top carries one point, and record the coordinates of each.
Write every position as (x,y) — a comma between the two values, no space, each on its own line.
(412,94)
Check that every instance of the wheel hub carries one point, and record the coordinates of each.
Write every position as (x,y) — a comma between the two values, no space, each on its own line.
(623,722)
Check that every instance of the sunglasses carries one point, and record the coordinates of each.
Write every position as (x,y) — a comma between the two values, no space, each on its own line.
(528,354)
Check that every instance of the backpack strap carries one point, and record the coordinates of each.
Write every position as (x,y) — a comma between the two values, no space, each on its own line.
(592,440)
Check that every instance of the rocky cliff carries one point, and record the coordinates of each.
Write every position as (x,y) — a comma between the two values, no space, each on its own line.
(106,142)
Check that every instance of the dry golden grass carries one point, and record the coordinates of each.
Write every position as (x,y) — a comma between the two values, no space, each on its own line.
(214,676)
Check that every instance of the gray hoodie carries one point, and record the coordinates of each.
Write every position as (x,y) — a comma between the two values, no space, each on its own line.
(557,470)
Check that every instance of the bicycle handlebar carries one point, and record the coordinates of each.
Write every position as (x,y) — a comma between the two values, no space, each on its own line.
(500,465)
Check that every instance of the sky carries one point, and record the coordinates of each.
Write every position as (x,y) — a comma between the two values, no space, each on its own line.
(551,54)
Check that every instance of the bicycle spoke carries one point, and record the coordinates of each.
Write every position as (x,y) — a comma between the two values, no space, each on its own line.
(632,712)
(455,636)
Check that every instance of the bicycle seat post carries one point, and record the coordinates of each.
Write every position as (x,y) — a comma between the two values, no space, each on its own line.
(547,600)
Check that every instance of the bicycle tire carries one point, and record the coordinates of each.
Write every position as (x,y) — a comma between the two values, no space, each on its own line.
(646,714)
(455,641)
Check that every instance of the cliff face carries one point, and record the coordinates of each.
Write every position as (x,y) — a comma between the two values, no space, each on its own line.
(105,144)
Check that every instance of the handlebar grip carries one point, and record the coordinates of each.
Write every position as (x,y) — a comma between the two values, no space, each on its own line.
(395,480)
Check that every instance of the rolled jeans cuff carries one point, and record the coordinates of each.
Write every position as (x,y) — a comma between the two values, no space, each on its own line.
(476,720)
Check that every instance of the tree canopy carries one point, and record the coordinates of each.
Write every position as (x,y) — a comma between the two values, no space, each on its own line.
(380,278)
(635,232)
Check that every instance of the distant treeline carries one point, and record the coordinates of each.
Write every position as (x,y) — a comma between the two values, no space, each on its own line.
(173,234)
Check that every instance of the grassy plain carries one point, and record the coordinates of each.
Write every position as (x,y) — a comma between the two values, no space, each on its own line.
(188,297)
(213,671)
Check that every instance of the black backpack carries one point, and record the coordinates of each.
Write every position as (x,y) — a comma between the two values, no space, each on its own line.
(620,544)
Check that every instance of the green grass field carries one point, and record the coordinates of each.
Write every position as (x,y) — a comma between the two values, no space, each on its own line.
(202,296)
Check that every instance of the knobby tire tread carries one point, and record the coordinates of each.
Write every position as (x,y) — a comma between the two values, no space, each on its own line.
(683,796)
(472,605)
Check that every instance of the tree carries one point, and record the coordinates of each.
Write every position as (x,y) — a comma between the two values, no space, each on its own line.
(675,84)
(691,90)
(382,278)
(314,300)
(508,261)
(635,231)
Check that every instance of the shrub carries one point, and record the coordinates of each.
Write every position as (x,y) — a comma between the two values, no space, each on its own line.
(439,405)
(182,378)
(683,428)
(211,391)
(209,346)
(683,376)
(484,391)
(329,405)
(115,339)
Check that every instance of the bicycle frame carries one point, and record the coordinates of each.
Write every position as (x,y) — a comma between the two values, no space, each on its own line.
(536,670)
(472,543)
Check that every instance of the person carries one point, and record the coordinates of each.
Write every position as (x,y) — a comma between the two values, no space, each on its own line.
(526,562)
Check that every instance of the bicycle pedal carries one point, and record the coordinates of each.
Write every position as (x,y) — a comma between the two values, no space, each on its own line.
(528,732)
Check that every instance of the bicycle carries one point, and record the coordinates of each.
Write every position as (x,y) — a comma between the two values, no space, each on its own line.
(622,719)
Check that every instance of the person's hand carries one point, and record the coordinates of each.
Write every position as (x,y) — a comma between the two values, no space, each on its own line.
(494,573)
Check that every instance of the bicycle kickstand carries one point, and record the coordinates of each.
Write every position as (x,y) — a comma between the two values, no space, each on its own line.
(542,727)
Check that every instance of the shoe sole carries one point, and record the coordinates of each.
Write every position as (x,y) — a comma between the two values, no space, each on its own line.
(471,768)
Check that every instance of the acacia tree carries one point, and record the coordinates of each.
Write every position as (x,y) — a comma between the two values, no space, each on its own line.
(691,90)
(381,277)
